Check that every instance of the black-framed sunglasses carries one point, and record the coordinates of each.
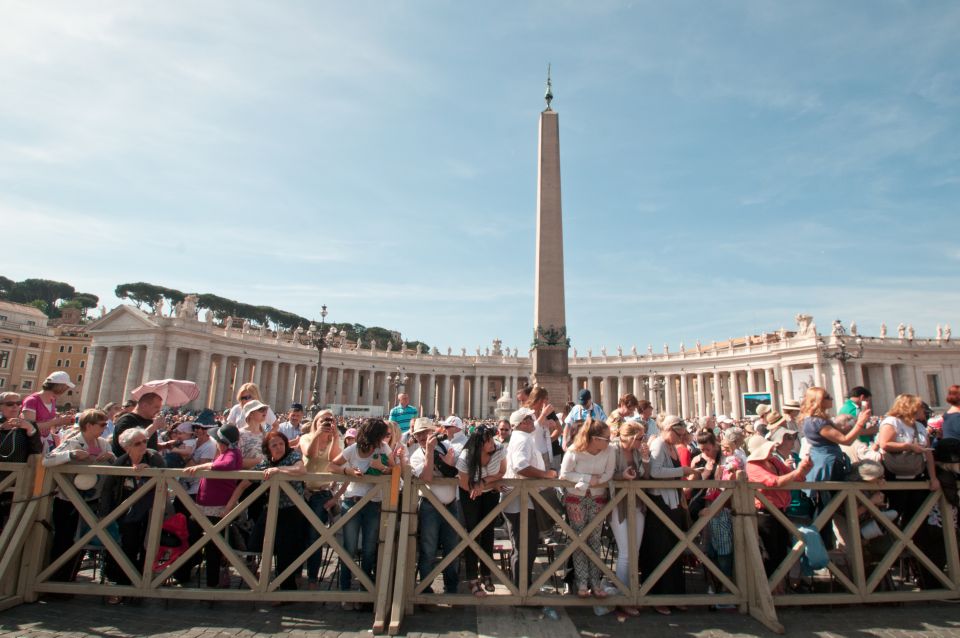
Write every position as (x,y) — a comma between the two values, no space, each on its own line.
(10,404)
(246,397)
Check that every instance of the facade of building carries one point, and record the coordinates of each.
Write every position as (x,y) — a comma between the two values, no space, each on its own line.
(25,340)
(129,347)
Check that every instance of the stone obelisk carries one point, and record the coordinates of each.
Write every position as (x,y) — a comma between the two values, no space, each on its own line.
(550,344)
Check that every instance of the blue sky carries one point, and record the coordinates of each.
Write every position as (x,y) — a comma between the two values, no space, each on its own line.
(725,164)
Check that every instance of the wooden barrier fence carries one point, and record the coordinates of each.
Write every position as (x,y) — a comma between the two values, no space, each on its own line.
(18,486)
(26,571)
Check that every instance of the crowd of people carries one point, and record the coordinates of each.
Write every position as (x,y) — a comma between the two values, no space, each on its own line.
(578,443)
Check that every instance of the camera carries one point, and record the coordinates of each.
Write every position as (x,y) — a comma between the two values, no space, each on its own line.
(441,437)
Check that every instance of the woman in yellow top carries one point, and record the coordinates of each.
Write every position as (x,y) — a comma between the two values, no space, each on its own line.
(319,443)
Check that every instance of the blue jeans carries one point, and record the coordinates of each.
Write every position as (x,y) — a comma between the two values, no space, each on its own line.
(316,502)
(367,523)
(434,533)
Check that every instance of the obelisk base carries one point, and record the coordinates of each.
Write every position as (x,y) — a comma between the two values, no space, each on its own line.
(551,371)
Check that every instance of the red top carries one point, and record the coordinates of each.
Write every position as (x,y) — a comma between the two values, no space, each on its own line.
(684,455)
(758,472)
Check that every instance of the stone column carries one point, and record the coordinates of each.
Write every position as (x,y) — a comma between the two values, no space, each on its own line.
(856,374)
(574,388)
(413,389)
(717,393)
(475,397)
(429,405)
(323,387)
(149,356)
(889,389)
(817,373)
(771,384)
(460,407)
(203,381)
(171,369)
(443,395)
(354,386)
(701,396)
(106,386)
(604,398)
(735,398)
(385,398)
(257,367)
(684,395)
(786,384)
(275,382)
(220,383)
(368,398)
(637,387)
(838,381)
(669,394)
(134,370)
(751,381)
(91,388)
(289,388)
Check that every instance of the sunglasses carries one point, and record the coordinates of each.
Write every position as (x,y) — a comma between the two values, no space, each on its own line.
(602,438)
(10,404)
(246,397)
(138,443)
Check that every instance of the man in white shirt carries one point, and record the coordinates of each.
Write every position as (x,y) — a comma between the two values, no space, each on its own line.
(453,426)
(433,460)
(523,461)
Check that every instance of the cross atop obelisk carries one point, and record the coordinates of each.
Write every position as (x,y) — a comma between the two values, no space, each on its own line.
(549,349)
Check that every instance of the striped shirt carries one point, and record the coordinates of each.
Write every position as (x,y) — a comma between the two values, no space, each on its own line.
(492,467)
(402,416)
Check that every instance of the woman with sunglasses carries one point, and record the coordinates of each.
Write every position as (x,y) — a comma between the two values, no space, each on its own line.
(589,463)
(319,444)
(19,438)
(116,489)
(248,392)
(825,439)
(41,408)
(481,465)
(89,447)
(658,540)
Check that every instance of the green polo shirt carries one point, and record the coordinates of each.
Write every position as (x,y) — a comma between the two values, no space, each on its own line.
(402,416)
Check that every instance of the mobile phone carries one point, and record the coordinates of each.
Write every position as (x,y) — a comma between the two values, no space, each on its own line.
(864,405)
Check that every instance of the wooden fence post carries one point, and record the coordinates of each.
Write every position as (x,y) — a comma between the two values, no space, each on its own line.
(759,596)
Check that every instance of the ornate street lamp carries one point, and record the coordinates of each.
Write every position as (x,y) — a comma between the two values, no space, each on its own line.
(656,384)
(841,354)
(398,380)
(320,340)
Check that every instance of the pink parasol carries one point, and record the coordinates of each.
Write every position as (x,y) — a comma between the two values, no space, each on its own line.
(175,392)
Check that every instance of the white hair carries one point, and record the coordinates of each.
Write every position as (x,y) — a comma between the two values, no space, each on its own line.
(127,436)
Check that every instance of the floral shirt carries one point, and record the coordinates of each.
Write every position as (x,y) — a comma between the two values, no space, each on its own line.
(251,445)
(292,458)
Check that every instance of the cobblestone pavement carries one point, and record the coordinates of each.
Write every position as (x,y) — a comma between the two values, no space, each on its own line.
(88,617)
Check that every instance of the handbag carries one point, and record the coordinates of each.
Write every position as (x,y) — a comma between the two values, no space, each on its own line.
(545,522)
(903,464)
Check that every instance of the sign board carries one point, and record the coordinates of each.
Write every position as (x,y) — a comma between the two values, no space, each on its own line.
(356,411)
(750,401)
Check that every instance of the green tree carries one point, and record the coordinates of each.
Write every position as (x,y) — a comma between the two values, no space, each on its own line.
(40,305)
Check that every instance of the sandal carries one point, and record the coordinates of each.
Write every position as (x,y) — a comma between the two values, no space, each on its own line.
(476,589)
(663,611)
(599,592)
(630,611)
(583,593)
(113,600)
(488,583)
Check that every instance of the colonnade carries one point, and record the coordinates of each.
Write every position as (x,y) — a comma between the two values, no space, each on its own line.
(690,394)
(113,372)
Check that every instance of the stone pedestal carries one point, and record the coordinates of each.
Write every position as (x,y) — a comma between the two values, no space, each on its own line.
(550,370)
